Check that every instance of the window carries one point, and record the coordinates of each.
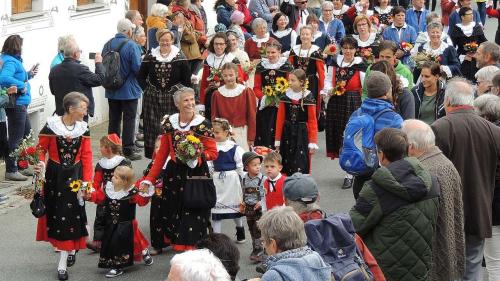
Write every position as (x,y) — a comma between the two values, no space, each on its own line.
(84,2)
(21,6)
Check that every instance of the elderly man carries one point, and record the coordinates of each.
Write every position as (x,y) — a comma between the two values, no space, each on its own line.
(135,17)
(72,76)
(473,146)
(123,101)
(488,53)
(484,78)
(334,28)
(397,209)
(448,247)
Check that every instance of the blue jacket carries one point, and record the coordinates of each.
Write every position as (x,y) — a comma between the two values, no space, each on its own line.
(411,20)
(130,63)
(57,59)
(13,73)
(261,8)
(388,119)
(408,35)
(224,15)
(335,29)
(455,18)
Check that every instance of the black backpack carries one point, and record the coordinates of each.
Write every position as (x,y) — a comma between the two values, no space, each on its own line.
(112,71)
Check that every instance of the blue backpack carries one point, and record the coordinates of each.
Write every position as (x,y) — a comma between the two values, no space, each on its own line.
(333,239)
(358,155)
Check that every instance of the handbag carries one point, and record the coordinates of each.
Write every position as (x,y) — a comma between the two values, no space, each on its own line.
(37,205)
(199,191)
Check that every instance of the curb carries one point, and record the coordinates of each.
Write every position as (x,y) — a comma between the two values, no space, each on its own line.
(11,189)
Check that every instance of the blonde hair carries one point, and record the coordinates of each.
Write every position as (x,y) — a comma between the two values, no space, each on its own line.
(360,18)
(126,174)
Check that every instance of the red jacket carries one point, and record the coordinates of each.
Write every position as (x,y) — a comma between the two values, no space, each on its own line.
(243,7)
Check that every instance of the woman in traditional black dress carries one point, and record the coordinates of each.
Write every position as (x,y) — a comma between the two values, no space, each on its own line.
(466,37)
(162,68)
(282,33)
(185,226)
(266,73)
(368,40)
(66,139)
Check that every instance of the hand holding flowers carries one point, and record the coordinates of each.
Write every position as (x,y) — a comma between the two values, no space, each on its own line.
(188,150)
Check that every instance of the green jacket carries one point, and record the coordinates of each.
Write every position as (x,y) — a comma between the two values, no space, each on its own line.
(396,215)
(401,69)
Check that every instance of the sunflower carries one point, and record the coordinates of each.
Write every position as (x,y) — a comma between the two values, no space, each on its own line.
(306,85)
(75,185)
(268,91)
(192,139)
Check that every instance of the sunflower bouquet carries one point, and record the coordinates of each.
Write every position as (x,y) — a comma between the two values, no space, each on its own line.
(273,93)
(188,150)
(81,188)
(471,47)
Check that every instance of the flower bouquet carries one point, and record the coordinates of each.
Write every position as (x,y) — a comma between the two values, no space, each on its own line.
(330,50)
(367,54)
(339,88)
(188,150)
(471,47)
(28,153)
(406,47)
(274,93)
(215,77)
(421,58)
(80,188)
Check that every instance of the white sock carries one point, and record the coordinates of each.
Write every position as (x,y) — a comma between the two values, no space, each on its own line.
(63,261)
(73,252)
(348,176)
(145,251)
(216,226)
(238,222)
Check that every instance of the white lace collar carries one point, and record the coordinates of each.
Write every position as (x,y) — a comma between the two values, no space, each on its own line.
(259,41)
(275,179)
(111,163)
(116,195)
(296,95)
(366,43)
(341,11)
(282,33)
(173,52)
(268,65)
(303,52)
(317,35)
(383,11)
(218,61)
(225,146)
(174,120)
(435,52)
(231,93)
(56,125)
(341,63)
(404,26)
(467,29)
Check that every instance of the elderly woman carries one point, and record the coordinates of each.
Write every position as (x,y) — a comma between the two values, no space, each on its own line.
(66,140)
(441,52)
(339,9)
(428,95)
(282,33)
(224,9)
(488,107)
(139,37)
(197,265)
(368,40)
(162,70)
(320,39)
(328,24)
(185,226)
(285,242)
(256,46)
(155,21)
(484,78)
(464,34)
(13,73)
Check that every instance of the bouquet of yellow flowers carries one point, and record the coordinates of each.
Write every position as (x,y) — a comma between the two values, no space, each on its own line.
(188,150)
(273,93)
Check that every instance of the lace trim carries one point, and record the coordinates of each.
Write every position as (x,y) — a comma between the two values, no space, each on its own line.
(110,163)
(304,52)
(56,125)
(268,65)
(231,93)
(341,63)
(214,61)
(296,95)
(174,120)
(366,43)
(173,53)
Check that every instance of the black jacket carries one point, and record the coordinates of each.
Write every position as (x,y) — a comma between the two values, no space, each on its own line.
(418,95)
(72,76)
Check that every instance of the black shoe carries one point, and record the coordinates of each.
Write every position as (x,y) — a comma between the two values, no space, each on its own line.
(240,235)
(148,260)
(114,273)
(133,156)
(347,183)
(261,268)
(62,275)
(139,144)
(71,260)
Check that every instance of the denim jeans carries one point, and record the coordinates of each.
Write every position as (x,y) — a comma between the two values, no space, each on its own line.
(19,127)
(123,110)
(492,254)
(481,8)
(474,249)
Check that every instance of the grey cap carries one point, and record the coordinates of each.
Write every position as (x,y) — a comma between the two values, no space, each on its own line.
(124,25)
(300,187)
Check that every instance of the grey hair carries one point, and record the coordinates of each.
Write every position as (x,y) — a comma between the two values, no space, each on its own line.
(326,4)
(199,265)
(124,26)
(73,99)
(178,94)
(138,31)
(433,25)
(132,15)
(301,207)
(486,73)
(491,49)
(61,41)
(458,92)
(419,134)
(159,10)
(432,17)
(70,47)
(488,107)
(496,79)
(378,84)
(284,226)
(258,22)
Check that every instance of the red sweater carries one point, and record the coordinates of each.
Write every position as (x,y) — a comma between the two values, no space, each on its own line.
(275,197)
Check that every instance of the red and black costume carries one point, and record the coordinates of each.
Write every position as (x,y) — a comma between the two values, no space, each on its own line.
(274,191)
(296,131)
(184,226)
(256,47)
(69,159)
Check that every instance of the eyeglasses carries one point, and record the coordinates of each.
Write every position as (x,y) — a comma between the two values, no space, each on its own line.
(300,3)
(329,11)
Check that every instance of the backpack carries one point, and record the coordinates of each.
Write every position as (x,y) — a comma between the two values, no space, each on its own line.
(358,155)
(112,70)
(333,239)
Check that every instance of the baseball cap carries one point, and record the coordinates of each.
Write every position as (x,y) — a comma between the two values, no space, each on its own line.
(301,187)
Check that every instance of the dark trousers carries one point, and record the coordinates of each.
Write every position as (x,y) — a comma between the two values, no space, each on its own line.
(427,4)
(123,110)
(19,127)
(358,183)
(252,224)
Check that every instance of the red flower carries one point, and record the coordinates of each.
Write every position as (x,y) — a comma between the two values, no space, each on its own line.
(216,78)
(23,164)
(31,150)
(23,153)
(333,49)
